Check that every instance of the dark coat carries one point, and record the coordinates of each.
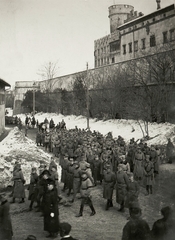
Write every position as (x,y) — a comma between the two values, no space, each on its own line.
(121,186)
(32,186)
(6,231)
(70,176)
(163,229)
(51,224)
(108,185)
(18,178)
(136,229)
(170,149)
(96,166)
(132,193)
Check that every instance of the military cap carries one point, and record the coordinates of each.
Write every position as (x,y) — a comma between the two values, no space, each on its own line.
(120,166)
(50,182)
(46,172)
(135,204)
(108,166)
(65,227)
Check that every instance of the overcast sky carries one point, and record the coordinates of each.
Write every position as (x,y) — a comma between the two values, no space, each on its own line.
(34,32)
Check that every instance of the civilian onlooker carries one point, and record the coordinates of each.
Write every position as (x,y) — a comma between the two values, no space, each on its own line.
(164,228)
(65,229)
(136,228)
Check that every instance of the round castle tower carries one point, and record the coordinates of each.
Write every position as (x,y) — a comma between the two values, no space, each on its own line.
(117,14)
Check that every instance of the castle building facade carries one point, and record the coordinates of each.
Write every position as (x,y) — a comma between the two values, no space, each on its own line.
(133,35)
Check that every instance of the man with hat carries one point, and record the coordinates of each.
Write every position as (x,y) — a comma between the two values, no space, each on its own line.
(42,188)
(85,194)
(108,185)
(76,180)
(136,228)
(18,178)
(132,191)
(70,175)
(50,210)
(32,187)
(121,187)
(149,174)
(164,227)
(65,229)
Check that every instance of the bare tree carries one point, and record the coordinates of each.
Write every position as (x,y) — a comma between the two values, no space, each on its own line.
(48,73)
(152,82)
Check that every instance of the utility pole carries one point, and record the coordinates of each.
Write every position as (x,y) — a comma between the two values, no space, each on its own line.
(34,98)
(87,96)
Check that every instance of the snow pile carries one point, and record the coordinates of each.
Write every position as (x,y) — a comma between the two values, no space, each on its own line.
(16,147)
(128,129)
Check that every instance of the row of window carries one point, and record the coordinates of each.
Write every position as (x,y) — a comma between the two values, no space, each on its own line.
(103,50)
(143,23)
(101,62)
(166,38)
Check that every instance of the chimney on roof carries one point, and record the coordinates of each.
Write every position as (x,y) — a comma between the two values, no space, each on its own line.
(158,4)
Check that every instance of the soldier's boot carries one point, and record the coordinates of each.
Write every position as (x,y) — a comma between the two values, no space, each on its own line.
(147,189)
(151,189)
(64,188)
(122,207)
(111,203)
(107,205)
(68,194)
(81,211)
(22,200)
(31,205)
(93,210)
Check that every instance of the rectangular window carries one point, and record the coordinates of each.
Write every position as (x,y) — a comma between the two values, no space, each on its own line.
(124,49)
(107,60)
(135,46)
(143,43)
(152,41)
(165,37)
(98,62)
(98,51)
(102,61)
(130,47)
(113,60)
(172,34)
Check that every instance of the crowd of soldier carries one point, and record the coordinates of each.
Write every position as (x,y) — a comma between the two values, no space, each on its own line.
(87,158)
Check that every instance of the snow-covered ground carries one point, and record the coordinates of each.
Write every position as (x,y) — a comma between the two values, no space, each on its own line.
(120,127)
(18,147)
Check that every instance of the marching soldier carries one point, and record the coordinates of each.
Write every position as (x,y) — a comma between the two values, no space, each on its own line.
(85,194)
(149,174)
(108,186)
(121,187)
